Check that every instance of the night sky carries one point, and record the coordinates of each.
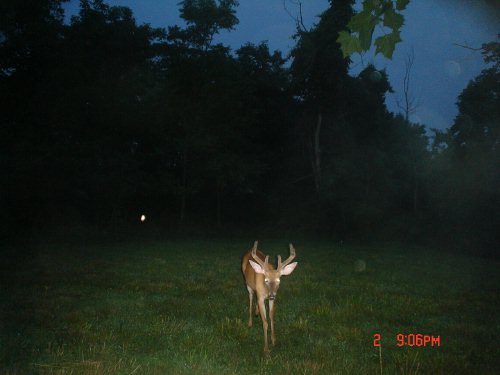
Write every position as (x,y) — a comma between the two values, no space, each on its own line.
(441,69)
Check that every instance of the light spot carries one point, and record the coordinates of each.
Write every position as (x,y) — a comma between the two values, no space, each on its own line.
(452,68)
(359,265)
(375,76)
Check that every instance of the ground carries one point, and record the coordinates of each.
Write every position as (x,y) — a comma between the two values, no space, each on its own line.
(179,307)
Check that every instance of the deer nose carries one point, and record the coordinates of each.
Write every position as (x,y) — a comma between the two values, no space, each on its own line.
(271,296)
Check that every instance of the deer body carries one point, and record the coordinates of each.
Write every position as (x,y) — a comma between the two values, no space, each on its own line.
(263,280)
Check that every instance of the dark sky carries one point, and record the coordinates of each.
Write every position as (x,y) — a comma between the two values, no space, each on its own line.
(441,69)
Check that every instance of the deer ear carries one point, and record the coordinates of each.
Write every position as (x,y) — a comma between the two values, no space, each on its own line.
(257,268)
(287,270)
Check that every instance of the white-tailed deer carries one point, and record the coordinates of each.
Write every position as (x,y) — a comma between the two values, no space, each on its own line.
(264,280)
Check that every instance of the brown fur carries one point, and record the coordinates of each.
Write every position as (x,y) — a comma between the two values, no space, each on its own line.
(256,284)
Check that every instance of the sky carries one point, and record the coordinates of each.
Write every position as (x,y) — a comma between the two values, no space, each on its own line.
(433,30)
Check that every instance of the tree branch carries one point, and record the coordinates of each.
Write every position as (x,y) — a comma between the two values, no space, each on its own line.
(299,20)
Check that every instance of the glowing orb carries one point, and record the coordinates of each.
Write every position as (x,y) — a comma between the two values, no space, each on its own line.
(375,76)
(143,217)
(360,265)
(452,68)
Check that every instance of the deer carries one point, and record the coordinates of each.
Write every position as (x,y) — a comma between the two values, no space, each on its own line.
(262,279)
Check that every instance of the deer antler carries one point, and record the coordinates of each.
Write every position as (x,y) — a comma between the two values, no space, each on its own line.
(257,259)
(286,262)
(263,280)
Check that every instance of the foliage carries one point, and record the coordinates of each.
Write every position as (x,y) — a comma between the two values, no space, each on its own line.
(78,117)
(362,27)
(318,67)
(104,120)
(205,18)
(27,32)
(491,53)
(466,162)
(219,106)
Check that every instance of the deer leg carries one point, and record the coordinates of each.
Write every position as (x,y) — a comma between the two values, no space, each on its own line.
(250,297)
(271,316)
(262,309)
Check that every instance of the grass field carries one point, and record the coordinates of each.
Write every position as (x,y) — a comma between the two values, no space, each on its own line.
(180,307)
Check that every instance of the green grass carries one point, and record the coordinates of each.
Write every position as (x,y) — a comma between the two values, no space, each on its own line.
(180,307)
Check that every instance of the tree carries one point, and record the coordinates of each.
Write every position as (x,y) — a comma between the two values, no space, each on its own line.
(319,72)
(205,19)
(408,105)
(79,116)
(30,33)
(106,70)
(195,72)
(465,191)
(266,109)
(477,125)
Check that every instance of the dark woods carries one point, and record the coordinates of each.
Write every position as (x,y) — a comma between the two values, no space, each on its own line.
(103,120)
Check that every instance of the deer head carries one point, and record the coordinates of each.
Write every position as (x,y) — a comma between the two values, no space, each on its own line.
(272,276)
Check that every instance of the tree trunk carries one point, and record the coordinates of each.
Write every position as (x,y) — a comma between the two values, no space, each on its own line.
(415,189)
(219,201)
(316,153)
(367,189)
(182,213)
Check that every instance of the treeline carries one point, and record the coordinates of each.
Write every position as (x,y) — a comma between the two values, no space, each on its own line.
(104,119)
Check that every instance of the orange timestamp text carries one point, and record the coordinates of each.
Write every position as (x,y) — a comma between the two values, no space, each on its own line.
(411,339)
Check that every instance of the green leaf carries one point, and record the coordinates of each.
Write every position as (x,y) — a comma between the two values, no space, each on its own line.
(365,38)
(386,44)
(363,23)
(360,20)
(362,26)
(401,4)
(349,43)
(370,5)
(392,19)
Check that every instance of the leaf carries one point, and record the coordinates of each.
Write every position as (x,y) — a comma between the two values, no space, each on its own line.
(365,39)
(392,19)
(362,26)
(401,4)
(349,43)
(360,20)
(386,44)
(363,23)
(370,5)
